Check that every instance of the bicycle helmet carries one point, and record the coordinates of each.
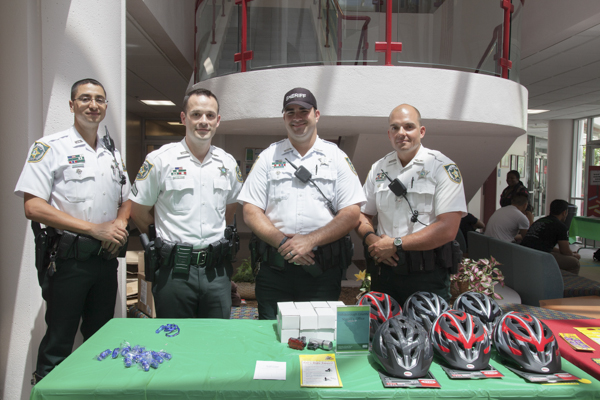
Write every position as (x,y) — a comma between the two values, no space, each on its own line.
(424,307)
(461,340)
(403,348)
(527,341)
(383,307)
(483,307)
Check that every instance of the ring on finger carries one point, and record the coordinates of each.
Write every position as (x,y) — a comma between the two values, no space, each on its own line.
(291,254)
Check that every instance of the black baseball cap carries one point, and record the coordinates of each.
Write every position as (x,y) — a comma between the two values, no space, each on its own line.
(302,97)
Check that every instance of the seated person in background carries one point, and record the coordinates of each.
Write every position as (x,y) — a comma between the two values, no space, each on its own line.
(546,232)
(470,223)
(509,223)
(515,186)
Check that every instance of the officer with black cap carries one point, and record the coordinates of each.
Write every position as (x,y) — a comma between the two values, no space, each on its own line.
(301,200)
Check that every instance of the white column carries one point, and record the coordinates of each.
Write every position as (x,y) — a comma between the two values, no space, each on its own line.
(46,47)
(560,154)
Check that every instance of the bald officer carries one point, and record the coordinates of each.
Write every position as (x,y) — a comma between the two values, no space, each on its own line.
(193,188)
(74,182)
(419,215)
(301,200)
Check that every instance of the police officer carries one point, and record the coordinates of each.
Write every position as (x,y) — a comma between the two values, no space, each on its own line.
(193,188)
(301,199)
(418,215)
(75,181)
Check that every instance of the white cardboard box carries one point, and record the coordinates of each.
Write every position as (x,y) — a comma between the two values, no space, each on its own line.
(288,318)
(309,333)
(308,319)
(325,334)
(320,304)
(286,334)
(285,305)
(325,318)
(303,305)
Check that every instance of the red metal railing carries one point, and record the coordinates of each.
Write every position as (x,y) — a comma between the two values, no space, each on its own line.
(363,39)
(388,47)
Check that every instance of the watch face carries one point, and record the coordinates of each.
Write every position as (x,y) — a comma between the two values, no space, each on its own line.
(397,242)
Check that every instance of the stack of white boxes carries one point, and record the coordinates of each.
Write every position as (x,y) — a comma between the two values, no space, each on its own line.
(313,319)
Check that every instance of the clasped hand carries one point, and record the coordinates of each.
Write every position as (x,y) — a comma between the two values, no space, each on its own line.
(384,251)
(298,250)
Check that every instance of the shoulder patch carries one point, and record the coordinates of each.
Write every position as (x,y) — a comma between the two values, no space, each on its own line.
(238,174)
(453,173)
(144,171)
(38,152)
(351,166)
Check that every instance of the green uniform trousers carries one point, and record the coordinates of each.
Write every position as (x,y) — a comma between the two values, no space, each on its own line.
(400,287)
(294,284)
(78,290)
(204,293)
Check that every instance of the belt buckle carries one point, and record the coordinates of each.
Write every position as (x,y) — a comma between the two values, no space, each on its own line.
(201,257)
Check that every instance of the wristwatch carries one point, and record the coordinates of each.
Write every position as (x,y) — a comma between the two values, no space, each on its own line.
(398,243)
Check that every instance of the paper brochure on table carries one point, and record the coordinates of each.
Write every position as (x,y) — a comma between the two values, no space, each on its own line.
(272,370)
(319,370)
(591,332)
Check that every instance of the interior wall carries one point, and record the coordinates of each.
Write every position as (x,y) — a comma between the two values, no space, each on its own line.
(45,47)
(135,151)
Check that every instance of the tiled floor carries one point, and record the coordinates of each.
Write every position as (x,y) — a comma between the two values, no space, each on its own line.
(589,268)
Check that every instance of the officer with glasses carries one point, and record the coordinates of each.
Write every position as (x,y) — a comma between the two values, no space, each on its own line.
(418,197)
(74,183)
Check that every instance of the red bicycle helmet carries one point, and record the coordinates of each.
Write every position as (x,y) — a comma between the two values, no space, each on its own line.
(424,307)
(403,348)
(481,306)
(527,341)
(461,340)
(383,307)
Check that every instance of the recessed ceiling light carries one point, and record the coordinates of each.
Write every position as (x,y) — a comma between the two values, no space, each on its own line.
(175,123)
(158,102)
(536,111)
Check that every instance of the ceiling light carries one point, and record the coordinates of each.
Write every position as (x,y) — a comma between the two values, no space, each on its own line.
(175,123)
(536,111)
(158,102)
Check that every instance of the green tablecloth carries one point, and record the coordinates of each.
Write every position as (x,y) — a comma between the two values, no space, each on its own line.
(215,359)
(585,227)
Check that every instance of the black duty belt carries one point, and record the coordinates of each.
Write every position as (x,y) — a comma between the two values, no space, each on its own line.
(200,257)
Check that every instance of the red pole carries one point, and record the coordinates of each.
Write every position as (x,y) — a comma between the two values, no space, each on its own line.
(505,62)
(244,34)
(388,32)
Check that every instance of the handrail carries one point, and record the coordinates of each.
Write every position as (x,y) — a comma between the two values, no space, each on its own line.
(363,34)
(498,37)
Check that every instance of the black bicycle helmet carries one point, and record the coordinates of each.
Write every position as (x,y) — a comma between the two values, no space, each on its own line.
(383,307)
(403,348)
(483,307)
(527,341)
(461,340)
(424,307)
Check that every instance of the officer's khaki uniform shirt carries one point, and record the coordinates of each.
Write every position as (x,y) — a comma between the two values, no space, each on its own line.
(434,186)
(293,206)
(75,178)
(189,197)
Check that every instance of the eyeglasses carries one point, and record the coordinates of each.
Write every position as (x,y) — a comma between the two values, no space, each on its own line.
(87,99)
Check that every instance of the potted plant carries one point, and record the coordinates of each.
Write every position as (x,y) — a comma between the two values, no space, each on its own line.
(244,279)
(477,276)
